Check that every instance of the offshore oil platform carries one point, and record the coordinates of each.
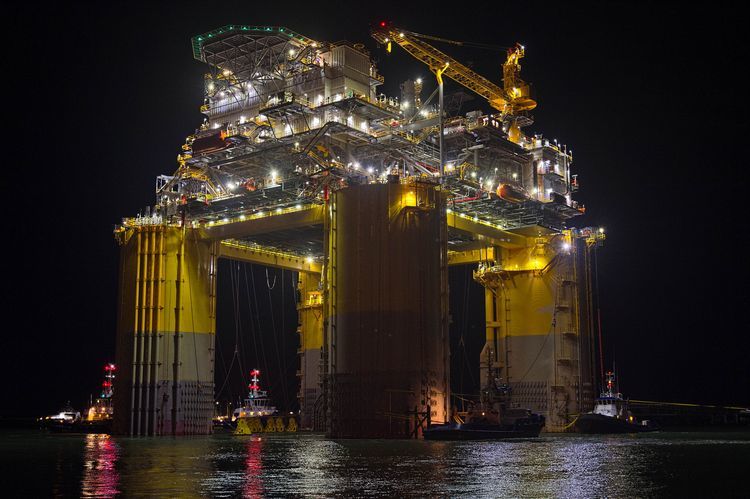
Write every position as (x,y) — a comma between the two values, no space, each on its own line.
(302,164)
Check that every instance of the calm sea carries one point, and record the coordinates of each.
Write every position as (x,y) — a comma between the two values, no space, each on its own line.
(35,464)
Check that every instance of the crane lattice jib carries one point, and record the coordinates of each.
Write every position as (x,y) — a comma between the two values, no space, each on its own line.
(436,60)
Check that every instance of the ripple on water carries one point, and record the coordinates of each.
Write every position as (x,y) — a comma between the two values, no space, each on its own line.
(309,465)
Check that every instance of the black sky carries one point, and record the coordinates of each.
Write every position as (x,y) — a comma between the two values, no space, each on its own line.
(650,98)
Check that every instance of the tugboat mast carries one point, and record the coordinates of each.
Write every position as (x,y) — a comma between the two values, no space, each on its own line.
(109,376)
(254,384)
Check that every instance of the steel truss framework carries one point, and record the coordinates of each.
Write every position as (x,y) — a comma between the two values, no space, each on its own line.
(330,144)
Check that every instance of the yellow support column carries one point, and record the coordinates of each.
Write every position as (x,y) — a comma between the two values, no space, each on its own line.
(538,334)
(310,329)
(166,327)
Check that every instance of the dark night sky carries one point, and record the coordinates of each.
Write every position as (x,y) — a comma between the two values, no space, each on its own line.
(649,98)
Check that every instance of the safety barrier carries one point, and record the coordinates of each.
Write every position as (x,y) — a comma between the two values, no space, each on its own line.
(249,426)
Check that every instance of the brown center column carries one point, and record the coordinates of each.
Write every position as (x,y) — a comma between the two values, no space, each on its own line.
(387,332)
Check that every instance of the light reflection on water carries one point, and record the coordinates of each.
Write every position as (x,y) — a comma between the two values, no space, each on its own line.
(253,469)
(309,465)
(100,476)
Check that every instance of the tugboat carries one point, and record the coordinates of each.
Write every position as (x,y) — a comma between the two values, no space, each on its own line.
(257,404)
(486,423)
(64,421)
(98,418)
(256,415)
(492,418)
(611,414)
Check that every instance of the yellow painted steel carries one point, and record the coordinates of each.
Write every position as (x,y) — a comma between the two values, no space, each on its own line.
(534,337)
(310,310)
(511,99)
(243,427)
(263,223)
(279,424)
(310,329)
(534,291)
(270,426)
(292,426)
(167,304)
(253,425)
(439,73)
(248,426)
(491,234)
(472,256)
(166,326)
(190,282)
(243,252)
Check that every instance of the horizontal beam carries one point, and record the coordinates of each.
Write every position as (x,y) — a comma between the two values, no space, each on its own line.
(484,231)
(471,256)
(264,223)
(234,250)
(253,225)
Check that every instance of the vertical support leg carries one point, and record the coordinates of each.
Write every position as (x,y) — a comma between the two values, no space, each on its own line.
(165,337)
(310,329)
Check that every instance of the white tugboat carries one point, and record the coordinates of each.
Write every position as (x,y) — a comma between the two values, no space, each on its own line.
(97,419)
(611,414)
(257,404)
(65,420)
(257,415)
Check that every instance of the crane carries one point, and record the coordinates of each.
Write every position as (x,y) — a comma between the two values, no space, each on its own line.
(511,99)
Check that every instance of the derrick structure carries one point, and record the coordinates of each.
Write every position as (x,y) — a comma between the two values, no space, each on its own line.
(302,164)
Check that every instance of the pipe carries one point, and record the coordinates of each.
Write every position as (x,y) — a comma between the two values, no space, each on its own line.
(464,200)
(439,75)
(328,362)
(143,262)
(177,310)
(151,331)
(157,328)
(135,323)
(445,305)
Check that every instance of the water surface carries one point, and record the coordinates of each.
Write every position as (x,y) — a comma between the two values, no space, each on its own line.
(35,463)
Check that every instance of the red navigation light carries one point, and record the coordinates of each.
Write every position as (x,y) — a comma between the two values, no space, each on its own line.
(382,24)
(254,372)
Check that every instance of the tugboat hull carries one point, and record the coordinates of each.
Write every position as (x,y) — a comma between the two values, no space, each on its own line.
(103,426)
(478,431)
(599,424)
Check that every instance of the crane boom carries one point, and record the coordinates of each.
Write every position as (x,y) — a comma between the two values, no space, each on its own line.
(484,46)
(510,99)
